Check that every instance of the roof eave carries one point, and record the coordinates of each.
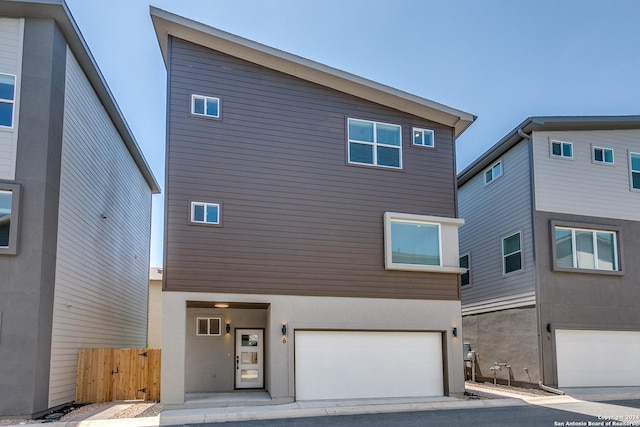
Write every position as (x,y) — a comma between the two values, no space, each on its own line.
(166,23)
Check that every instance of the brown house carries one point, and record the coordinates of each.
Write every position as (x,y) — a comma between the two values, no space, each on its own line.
(311,244)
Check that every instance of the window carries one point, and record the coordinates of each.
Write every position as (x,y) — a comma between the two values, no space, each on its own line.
(493,173)
(634,165)
(9,202)
(585,249)
(603,155)
(208,326)
(562,149)
(512,253)
(205,213)
(205,106)
(465,278)
(423,137)
(7,99)
(373,143)
(415,242)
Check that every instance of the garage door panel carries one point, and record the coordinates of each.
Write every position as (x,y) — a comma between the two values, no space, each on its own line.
(341,365)
(587,358)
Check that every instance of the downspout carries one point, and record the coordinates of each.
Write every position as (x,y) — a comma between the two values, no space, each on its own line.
(549,389)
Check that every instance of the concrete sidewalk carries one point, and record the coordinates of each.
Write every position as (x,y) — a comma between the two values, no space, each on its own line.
(584,401)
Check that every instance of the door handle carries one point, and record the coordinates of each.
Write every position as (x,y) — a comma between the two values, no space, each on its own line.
(237,363)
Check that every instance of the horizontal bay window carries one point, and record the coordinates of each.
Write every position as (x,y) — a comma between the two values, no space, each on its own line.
(586,249)
(375,144)
(421,243)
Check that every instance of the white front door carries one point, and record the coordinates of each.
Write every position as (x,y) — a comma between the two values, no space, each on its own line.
(249,358)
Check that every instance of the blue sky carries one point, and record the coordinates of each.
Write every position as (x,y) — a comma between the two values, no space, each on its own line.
(502,60)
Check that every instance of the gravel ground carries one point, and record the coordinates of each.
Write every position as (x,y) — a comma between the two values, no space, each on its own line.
(535,392)
(136,409)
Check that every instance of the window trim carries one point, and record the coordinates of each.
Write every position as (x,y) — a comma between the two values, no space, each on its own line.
(491,168)
(423,130)
(374,144)
(602,162)
(209,318)
(561,155)
(632,171)
(470,284)
(617,232)
(11,101)
(194,203)
(195,96)
(14,228)
(447,234)
(504,256)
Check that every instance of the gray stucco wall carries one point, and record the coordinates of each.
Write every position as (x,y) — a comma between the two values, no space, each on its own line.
(27,287)
(508,336)
(585,300)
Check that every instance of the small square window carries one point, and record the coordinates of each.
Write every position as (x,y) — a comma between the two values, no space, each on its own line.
(423,137)
(208,326)
(562,149)
(603,155)
(205,213)
(205,106)
(493,173)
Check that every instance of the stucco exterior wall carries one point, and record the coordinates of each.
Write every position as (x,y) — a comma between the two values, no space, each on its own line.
(307,313)
(508,336)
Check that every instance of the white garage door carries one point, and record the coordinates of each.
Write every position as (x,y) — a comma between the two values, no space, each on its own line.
(597,358)
(352,365)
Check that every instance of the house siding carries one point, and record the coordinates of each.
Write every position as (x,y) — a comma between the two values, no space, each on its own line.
(11,39)
(492,212)
(296,219)
(561,185)
(102,263)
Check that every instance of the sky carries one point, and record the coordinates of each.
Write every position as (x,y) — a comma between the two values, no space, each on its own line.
(501,60)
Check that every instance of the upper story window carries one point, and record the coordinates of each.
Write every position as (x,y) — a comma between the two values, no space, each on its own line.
(374,143)
(465,278)
(423,137)
(415,242)
(493,173)
(562,149)
(585,249)
(206,106)
(512,253)
(9,202)
(634,166)
(205,213)
(603,155)
(7,99)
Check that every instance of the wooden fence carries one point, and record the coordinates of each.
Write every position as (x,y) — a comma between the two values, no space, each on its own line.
(109,374)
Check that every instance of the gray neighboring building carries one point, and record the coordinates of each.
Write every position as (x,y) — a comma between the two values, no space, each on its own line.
(552,219)
(75,199)
(311,235)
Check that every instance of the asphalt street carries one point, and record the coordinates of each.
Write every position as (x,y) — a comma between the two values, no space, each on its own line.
(526,416)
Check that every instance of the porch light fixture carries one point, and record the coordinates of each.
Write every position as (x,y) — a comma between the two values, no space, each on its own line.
(221,305)
(454,331)
(228,327)
(284,329)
